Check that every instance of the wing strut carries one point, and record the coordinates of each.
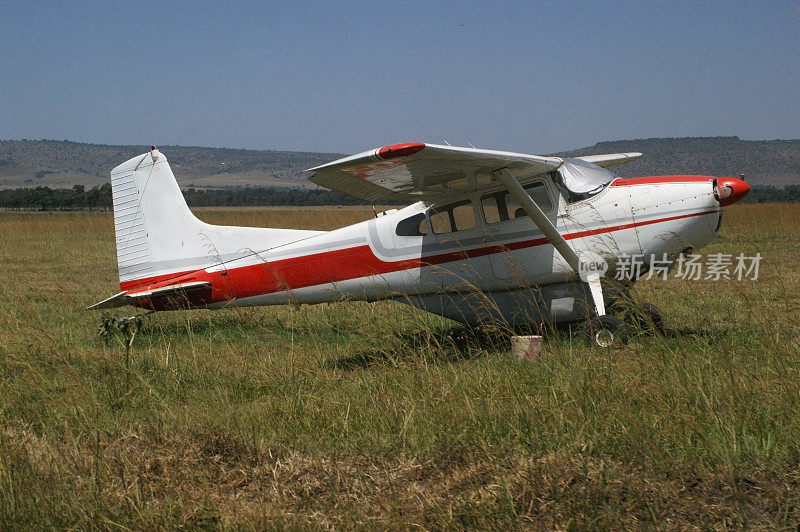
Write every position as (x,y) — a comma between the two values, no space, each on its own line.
(552,234)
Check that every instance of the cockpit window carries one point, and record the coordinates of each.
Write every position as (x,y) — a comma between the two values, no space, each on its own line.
(501,206)
(579,179)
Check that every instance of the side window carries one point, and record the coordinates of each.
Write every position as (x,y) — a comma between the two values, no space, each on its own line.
(492,208)
(500,206)
(454,217)
(538,191)
(440,222)
(464,216)
(415,225)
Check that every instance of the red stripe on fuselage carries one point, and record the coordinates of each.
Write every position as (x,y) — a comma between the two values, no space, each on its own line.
(661,179)
(341,265)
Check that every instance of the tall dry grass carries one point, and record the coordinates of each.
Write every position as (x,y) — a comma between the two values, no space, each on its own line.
(360,415)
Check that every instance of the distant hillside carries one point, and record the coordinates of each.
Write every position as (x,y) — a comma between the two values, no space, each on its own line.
(62,164)
(763,162)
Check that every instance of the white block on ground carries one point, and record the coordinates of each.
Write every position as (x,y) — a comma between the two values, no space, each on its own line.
(526,348)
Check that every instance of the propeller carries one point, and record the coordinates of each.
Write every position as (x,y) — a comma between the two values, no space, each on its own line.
(729,190)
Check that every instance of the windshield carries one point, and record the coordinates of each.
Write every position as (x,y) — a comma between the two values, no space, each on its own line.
(581,179)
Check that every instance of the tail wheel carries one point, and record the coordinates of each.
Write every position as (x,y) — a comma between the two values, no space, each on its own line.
(606,331)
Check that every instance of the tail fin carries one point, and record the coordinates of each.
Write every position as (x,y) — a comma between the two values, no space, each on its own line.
(150,217)
(157,234)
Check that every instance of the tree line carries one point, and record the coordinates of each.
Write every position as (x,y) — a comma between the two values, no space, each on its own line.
(770,194)
(78,198)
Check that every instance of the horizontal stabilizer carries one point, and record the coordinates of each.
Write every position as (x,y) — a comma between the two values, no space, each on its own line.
(611,159)
(130,298)
(112,302)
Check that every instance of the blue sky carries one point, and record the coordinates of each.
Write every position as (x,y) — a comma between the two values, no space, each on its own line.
(536,77)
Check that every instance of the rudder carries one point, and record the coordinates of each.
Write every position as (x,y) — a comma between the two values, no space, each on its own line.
(157,236)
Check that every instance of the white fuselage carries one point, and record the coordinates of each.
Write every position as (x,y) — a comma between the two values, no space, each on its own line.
(491,265)
(475,257)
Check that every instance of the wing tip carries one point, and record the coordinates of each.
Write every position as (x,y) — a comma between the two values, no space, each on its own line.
(384,152)
(399,150)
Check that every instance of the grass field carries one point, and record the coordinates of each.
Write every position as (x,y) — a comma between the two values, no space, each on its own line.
(376,415)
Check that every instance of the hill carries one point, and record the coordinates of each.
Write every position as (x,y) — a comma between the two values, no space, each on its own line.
(763,162)
(62,164)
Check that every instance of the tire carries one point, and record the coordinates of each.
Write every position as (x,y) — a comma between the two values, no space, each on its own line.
(606,331)
(643,317)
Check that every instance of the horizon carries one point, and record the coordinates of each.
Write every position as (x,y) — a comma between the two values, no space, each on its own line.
(69,141)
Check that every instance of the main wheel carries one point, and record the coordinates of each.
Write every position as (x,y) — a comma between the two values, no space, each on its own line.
(606,331)
(641,316)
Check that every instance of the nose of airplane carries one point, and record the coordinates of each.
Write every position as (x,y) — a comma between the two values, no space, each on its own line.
(729,190)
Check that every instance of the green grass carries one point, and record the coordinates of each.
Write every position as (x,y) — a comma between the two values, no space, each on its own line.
(376,415)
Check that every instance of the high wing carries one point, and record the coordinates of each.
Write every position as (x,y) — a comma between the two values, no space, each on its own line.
(175,292)
(611,159)
(416,171)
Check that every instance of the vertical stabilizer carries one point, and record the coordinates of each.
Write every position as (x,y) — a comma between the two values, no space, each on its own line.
(157,234)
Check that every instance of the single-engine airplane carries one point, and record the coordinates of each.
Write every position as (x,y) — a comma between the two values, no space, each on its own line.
(491,237)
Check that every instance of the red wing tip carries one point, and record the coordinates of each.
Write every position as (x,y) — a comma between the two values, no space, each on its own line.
(399,150)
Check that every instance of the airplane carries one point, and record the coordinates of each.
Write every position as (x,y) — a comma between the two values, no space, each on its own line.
(490,237)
